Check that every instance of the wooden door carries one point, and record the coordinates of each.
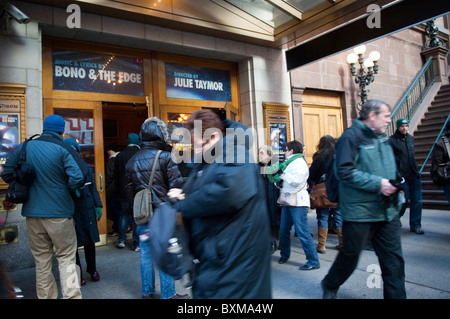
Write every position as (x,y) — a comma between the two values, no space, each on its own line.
(322,115)
(84,123)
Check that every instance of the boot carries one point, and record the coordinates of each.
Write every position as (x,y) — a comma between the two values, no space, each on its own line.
(339,233)
(323,232)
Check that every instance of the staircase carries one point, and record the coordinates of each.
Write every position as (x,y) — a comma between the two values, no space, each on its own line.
(425,135)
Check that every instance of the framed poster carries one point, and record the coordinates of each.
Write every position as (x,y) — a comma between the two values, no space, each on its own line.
(12,120)
(10,136)
(277,127)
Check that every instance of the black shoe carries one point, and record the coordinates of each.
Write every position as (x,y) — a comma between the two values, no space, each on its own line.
(273,247)
(308,267)
(282,260)
(418,230)
(327,293)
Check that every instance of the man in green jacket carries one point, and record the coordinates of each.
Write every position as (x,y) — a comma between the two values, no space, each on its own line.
(368,200)
(50,208)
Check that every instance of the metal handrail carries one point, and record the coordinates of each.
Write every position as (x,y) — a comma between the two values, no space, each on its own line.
(437,139)
(408,104)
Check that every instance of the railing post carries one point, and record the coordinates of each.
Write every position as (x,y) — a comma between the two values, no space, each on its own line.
(439,63)
(437,139)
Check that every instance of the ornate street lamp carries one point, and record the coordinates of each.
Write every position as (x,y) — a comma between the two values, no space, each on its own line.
(363,77)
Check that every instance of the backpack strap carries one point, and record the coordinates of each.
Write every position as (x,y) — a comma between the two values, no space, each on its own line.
(23,151)
(152,176)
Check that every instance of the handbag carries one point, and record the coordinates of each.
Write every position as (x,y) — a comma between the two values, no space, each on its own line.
(142,202)
(440,174)
(318,197)
(287,199)
(24,176)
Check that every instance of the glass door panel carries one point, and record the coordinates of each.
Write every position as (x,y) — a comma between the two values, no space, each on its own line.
(80,127)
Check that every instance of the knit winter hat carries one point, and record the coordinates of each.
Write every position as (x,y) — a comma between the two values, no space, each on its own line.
(402,121)
(73,143)
(54,123)
(133,138)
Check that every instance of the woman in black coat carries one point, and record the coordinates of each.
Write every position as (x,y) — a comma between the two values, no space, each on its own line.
(272,191)
(225,214)
(320,167)
(88,210)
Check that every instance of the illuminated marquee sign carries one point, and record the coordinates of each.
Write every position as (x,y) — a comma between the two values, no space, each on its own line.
(90,72)
(197,83)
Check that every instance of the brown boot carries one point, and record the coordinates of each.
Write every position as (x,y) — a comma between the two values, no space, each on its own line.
(323,232)
(339,233)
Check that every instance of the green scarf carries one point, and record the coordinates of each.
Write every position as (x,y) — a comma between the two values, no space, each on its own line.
(274,171)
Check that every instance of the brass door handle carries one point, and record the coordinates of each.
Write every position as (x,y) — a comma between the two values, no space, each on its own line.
(100,183)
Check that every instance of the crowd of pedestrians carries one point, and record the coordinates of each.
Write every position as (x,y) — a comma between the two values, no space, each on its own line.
(230,209)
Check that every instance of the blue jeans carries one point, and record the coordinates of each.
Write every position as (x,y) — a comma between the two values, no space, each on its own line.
(126,219)
(322,217)
(447,192)
(148,272)
(413,193)
(297,216)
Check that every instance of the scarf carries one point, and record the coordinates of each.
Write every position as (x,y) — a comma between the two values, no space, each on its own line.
(274,171)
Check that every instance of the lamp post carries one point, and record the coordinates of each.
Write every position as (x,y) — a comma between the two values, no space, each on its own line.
(363,77)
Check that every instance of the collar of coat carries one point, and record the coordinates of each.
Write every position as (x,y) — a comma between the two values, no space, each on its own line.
(276,170)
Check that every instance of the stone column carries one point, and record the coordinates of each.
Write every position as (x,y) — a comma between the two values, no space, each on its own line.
(297,116)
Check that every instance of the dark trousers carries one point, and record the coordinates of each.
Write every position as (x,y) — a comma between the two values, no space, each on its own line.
(89,254)
(385,237)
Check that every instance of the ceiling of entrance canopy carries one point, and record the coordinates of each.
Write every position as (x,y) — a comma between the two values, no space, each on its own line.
(272,23)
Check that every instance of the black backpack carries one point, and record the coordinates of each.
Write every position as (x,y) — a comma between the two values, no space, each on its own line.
(168,242)
(24,176)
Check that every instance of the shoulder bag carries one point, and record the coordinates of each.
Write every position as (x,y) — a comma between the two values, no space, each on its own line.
(287,199)
(142,203)
(318,197)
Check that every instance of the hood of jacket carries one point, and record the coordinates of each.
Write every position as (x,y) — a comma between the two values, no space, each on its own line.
(234,148)
(155,133)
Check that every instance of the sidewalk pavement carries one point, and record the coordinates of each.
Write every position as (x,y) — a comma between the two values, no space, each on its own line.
(427,258)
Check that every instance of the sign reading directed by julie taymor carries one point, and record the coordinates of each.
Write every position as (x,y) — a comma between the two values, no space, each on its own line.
(100,73)
(197,83)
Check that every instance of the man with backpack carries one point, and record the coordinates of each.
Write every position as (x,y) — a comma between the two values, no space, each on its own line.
(49,209)
(368,200)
